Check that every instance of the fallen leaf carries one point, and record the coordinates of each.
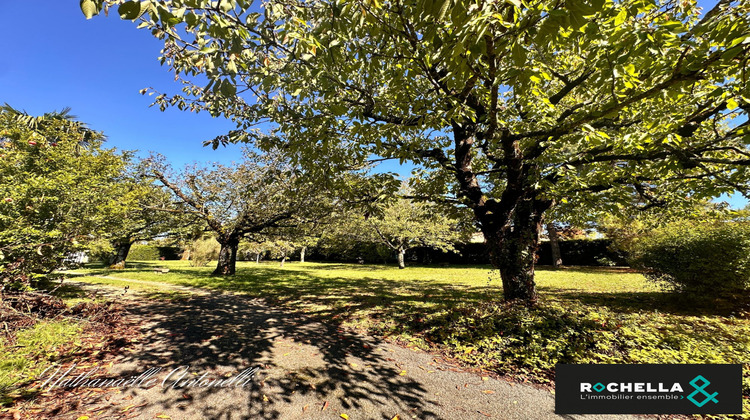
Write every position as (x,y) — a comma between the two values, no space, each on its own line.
(128,408)
(485,378)
(403,373)
(79,418)
(344,416)
(265,398)
(353,364)
(396,417)
(162,416)
(325,405)
(488,391)
(304,408)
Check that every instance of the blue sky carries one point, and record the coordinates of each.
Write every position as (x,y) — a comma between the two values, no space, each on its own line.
(97,67)
(57,58)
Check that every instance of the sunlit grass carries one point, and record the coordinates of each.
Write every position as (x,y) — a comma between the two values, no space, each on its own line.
(585,315)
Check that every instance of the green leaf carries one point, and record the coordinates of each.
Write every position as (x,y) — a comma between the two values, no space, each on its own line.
(519,55)
(621,17)
(129,10)
(630,69)
(89,9)
(732,104)
(227,88)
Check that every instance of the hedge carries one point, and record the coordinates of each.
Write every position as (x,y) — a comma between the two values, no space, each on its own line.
(153,253)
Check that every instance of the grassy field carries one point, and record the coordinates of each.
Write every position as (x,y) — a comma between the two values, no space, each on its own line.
(586,315)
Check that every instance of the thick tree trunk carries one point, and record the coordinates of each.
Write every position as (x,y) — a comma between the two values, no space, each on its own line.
(121,250)
(227,256)
(511,223)
(302,254)
(401,253)
(554,244)
(513,250)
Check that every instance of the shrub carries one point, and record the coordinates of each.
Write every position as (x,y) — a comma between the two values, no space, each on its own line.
(203,251)
(708,258)
(143,253)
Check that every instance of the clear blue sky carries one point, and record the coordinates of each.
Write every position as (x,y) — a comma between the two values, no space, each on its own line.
(53,57)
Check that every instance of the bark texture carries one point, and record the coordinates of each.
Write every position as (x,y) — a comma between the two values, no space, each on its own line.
(120,253)
(512,222)
(227,256)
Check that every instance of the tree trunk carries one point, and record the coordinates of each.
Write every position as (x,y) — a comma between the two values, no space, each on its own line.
(283,259)
(227,257)
(513,250)
(401,253)
(257,258)
(121,250)
(554,245)
(302,254)
(511,223)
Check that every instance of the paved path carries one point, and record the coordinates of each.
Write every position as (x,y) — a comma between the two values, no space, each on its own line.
(306,370)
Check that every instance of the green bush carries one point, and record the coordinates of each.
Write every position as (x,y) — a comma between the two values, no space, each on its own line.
(143,253)
(705,259)
(203,251)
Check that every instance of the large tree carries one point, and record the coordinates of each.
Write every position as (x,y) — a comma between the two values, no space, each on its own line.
(141,217)
(252,197)
(509,106)
(58,190)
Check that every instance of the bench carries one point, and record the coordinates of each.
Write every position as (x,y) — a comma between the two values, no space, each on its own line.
(160,270)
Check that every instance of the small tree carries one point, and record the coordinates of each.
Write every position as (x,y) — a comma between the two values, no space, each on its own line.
(253,248)
(405,224)
(203,251)
(139,216)
(280,248)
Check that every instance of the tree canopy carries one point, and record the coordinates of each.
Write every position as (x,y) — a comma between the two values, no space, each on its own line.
(508,107)
(251,197)
(58,189)
(405,224)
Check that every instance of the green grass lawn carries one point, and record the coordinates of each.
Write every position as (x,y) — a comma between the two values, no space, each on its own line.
(586,315)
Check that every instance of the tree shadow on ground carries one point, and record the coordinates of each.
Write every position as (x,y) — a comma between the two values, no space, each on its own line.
(226,334)
(436,310)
